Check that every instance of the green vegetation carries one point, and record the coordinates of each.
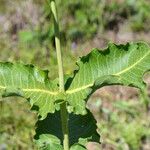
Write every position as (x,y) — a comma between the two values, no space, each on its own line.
(31,40)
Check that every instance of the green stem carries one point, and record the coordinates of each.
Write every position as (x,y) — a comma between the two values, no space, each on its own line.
(63,109)
(64,121)
(58,46)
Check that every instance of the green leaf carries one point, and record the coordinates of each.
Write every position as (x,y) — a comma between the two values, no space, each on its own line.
(49,142)
(31,83)
(117,64)
(82,129)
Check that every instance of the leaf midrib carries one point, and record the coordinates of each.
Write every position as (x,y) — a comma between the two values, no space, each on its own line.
(36,90)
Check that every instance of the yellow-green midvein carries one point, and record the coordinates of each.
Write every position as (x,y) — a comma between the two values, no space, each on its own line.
(41,90)
(36,90)
(128,68)
(78,89)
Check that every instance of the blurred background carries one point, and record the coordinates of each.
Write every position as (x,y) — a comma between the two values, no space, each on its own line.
(27,35)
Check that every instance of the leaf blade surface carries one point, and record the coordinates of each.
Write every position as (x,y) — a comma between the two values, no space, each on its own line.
(117,64)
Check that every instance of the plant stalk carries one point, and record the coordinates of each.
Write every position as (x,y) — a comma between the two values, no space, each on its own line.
(58,46)
(63,109)
(64,122)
